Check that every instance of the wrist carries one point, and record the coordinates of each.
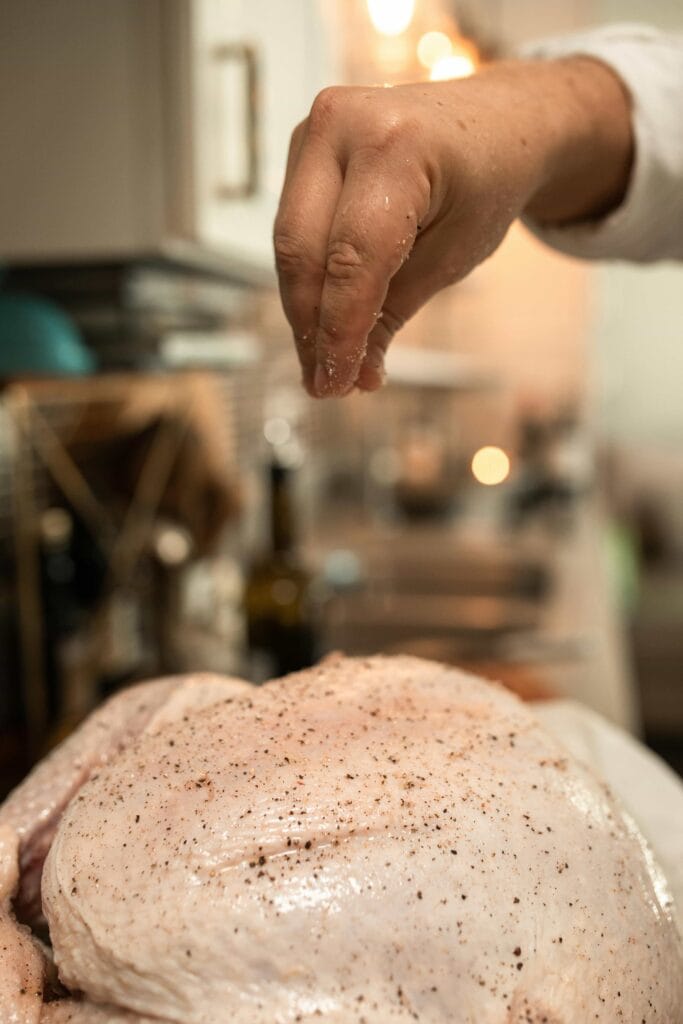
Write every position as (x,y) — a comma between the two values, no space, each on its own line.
(586,140)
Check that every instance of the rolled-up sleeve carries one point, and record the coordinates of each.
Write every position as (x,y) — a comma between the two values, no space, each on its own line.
(648,225)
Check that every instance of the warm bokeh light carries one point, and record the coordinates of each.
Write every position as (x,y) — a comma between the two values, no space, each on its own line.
(490,465)
(277,430)
(461,63)
(433,47)
(391,17)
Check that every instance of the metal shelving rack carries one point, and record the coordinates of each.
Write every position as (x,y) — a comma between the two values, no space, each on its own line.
(42,418)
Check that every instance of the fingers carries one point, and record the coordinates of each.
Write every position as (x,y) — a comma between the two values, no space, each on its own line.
(372,233)
(347,222)
(371,375)
(421,277)
(313,184)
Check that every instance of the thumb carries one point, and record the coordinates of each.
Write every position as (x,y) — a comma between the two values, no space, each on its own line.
(421,277)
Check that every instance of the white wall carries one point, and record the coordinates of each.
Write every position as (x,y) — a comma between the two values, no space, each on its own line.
(638,326)
(637,335)
(666,14)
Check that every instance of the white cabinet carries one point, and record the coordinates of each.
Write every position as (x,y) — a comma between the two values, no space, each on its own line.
(133,127)
(286,48)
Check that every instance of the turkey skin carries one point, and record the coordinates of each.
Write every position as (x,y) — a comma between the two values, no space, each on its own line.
(371,841)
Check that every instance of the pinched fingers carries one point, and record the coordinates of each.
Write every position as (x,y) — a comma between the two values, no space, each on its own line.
(309,199)
(371,237)
(348,217)
(372,374)
(428,270)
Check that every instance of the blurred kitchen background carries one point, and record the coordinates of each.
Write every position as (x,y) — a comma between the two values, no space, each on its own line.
(171,500)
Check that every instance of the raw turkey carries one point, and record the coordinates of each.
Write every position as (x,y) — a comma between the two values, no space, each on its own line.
(369,841)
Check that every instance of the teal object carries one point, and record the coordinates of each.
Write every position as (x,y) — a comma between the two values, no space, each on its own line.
(38,338)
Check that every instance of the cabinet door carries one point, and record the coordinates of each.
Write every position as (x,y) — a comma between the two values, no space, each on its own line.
(81,143)
(258,66)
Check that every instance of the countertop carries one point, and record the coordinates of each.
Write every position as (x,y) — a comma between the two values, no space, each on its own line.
(568,640)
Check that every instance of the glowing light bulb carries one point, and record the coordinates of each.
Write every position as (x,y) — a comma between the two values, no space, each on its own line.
(458,65)
(433,47)
(391,17)
(490,466)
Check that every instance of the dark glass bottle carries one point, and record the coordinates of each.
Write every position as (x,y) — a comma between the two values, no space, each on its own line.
(279,603)
(61,611)
(73,570)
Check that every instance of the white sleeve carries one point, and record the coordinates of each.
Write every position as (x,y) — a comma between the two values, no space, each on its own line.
(648,225)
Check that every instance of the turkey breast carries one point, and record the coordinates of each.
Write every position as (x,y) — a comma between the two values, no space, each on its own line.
(373,840)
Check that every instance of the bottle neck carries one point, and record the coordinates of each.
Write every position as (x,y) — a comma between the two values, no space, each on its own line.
(282,532)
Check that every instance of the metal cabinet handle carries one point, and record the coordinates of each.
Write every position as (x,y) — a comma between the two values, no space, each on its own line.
(245,57)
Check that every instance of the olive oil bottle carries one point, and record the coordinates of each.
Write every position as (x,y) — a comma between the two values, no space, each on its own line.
(279,599)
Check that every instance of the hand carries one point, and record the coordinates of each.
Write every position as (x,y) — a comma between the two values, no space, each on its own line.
(392,194)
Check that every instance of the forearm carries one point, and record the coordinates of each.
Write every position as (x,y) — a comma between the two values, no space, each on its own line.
(560,129)
(646,222)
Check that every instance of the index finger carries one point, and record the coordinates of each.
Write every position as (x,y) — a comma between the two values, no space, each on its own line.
(372,233)
(302,227)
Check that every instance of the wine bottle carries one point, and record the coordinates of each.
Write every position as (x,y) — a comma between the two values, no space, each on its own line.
(279,596)
(61,613)
(70,685)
